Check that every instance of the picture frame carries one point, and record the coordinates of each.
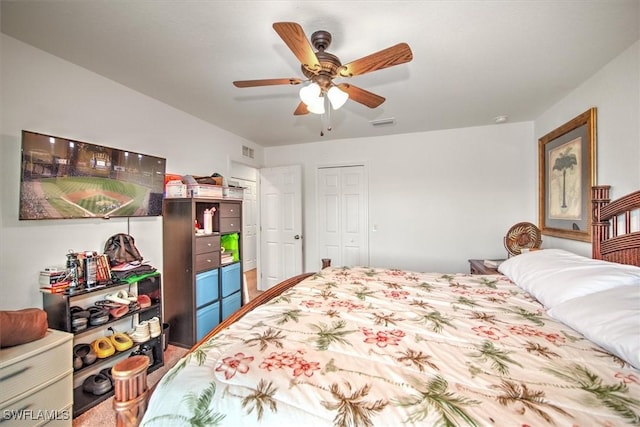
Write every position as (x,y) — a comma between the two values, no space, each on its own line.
(566,173)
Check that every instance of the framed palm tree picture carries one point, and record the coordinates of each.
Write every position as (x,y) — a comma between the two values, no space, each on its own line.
(566,172)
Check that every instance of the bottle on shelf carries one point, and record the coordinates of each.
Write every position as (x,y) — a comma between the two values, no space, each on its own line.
(72,269)
(208,220)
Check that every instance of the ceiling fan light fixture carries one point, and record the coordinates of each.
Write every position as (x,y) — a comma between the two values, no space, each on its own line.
(337,97)
(310,94)
(321,67)
(316,106)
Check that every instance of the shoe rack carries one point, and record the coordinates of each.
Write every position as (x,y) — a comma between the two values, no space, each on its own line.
(91,374)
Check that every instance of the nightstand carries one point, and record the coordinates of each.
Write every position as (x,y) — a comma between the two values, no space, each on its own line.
(476,266)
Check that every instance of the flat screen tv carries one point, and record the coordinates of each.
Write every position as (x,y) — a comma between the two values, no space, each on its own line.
(63,178)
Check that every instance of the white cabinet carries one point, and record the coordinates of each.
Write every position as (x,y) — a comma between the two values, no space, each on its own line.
(37,381)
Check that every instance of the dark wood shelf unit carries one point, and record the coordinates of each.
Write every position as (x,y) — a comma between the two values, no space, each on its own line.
(199,290)
(58,308)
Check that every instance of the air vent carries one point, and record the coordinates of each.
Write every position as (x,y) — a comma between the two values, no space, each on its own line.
(247,152)
(383,122)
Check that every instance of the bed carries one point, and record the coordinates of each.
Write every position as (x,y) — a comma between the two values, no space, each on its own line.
(552,340)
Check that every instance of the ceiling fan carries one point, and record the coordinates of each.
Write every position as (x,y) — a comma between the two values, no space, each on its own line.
(321,67)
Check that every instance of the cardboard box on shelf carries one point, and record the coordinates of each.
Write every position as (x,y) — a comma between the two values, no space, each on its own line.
(173,186)
(204,190)
(175,189)
(49,278)
(170,177)
(196,188)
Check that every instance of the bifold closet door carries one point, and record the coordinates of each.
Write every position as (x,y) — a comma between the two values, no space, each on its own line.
(343,215)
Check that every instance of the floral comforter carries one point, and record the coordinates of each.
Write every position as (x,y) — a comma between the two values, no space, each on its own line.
(381,347)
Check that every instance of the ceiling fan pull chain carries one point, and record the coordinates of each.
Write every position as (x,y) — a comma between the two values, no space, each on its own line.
(322,116)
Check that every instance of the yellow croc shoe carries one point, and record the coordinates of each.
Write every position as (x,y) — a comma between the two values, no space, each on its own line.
(103,347)
(121,341)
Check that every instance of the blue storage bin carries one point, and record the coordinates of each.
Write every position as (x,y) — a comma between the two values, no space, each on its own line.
(207,318)
(231,279)
(206,287)
(231,304)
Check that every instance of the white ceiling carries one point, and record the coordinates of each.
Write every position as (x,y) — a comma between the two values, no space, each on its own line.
(473,60)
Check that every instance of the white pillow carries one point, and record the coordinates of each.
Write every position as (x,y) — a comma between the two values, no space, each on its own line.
(609,318)
(555,275)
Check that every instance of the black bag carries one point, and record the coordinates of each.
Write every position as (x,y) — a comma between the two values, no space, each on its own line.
(121,248)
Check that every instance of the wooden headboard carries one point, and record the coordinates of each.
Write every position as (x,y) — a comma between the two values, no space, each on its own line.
(613,238)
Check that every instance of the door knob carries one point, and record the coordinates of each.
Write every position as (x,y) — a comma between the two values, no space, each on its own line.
(297,237)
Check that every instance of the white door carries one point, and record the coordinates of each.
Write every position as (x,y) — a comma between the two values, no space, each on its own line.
(342,215)
(280,224)
(249,224)
(247,176)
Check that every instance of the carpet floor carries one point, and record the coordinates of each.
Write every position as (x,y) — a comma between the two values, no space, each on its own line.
(104,415)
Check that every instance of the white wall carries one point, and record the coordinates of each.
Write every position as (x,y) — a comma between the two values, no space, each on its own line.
(45,94)
(615,92)
(436,199)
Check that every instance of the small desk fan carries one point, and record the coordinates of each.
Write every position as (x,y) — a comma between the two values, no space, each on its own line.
(523,235)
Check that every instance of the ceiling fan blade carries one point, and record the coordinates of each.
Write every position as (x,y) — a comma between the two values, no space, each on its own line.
(301,110)
(266,82)
(394,55)
(293,36)
(362,96)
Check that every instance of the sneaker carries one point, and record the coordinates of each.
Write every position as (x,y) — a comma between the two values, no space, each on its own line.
(141,333)
(154,327)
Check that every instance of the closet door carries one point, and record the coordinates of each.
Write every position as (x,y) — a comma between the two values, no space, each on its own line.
(343,215)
